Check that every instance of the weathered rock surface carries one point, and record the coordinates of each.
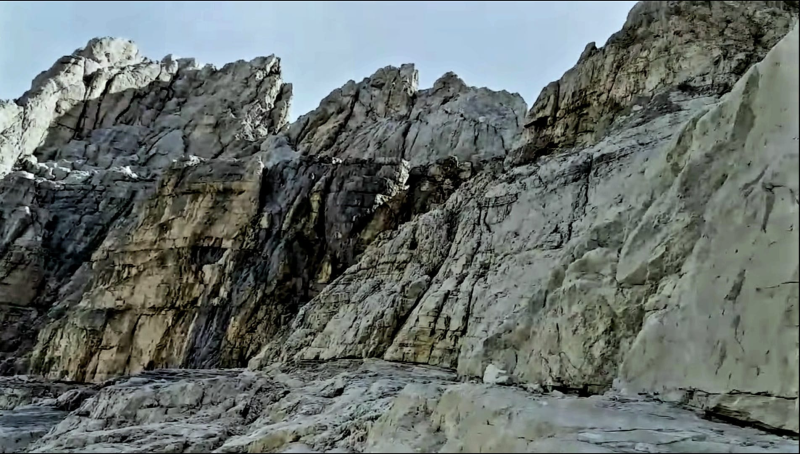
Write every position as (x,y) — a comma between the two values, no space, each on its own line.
(169,223)
(106,106)
(699,47)
(480,418)
(30,407)
(385,116)
(22,390)
(637,234)
(598,264)
(94,133)
(732,306)
(374,406)
(23,425)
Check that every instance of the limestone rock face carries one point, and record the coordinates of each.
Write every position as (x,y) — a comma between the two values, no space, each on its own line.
(167,216)
(568,271)
(385,116)
(105,106)
(695,46)
(94,134)
(629,248)
(733,304)
(211,265)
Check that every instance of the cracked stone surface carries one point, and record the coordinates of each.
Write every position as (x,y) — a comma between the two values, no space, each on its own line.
(592,267)
(373,406)
(170,218)
(25,424)
(697,46)
(484,418)
(19,391)
(385,116)
(92,138)
(30,407)
(631,241)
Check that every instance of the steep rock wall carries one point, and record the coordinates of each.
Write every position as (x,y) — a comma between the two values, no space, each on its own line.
(696,46)
(569,271)
(95,133)
(165,215)
(171,218)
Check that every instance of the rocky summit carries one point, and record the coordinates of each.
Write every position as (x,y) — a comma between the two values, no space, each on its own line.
(614,269)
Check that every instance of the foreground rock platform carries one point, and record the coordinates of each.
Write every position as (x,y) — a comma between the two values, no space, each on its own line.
(369,406)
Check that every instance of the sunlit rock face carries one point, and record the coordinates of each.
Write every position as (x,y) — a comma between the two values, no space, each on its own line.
(166,215)
(633,234)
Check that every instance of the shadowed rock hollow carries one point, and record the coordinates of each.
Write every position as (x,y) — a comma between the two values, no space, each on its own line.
(632,237)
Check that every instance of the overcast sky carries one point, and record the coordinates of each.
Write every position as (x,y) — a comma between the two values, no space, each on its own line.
(516,46)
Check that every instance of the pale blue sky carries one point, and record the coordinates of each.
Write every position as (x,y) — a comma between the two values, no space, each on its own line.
(517,46)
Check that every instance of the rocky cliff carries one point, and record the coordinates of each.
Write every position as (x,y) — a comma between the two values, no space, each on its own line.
(633,233)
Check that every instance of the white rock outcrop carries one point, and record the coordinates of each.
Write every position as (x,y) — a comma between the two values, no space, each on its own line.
(594,265)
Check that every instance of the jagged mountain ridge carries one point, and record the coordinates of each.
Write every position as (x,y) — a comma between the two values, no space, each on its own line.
(299,157)
(434,226)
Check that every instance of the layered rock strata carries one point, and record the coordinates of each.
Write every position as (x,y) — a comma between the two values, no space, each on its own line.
(635,232)
(597,265)
(195,240)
